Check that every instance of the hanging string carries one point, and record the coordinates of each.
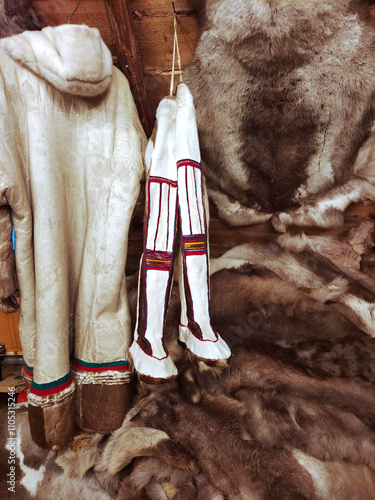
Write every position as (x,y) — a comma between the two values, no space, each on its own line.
(176,51)
(74,11)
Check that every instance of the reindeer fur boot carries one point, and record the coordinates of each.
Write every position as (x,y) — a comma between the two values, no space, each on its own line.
(175,198)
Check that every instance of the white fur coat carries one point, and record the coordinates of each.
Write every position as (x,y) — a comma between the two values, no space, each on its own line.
(70,165)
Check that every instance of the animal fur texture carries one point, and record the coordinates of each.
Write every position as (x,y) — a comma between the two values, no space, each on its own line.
(291,417)
(38,471)
(300,380)
(16,17)
(316,267)
(283,92)
(250,447)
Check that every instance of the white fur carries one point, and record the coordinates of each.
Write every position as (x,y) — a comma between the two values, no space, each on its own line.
(206,349)
(73,58)
(127,443)
(152,367)
(365,311)
(331,291)
(317,214)
(32,477)
(337,479)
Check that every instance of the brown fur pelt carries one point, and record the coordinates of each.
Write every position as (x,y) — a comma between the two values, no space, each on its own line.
(293,416)
(266,427)
(258,430)
(40,473)
(310,270)
(283,91)
(18,16)
(279,320)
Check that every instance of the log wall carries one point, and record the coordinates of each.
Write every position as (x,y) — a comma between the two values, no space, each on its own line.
(152,22)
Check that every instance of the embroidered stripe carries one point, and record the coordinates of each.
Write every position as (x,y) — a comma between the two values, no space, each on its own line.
(51,387)
(100,367)
(156,260)
(188,163)
(195,244)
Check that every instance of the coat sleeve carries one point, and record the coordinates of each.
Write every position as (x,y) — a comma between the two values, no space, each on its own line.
(8,160)
(8,276)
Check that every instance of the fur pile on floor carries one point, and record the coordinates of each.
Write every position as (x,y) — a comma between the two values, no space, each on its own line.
(293,415)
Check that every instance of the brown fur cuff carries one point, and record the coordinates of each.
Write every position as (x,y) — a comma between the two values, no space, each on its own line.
(101,407)
(52,427)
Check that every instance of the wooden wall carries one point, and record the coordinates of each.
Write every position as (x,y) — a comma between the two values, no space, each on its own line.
(9,333)
(153,28)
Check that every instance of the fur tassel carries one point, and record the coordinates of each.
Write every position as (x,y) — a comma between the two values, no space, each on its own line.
(80,456)
(8,276)
(331,291)
(9,305)
(8,284)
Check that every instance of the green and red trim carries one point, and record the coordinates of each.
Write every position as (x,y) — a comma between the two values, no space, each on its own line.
(78,364)
(51,387)
(29,370)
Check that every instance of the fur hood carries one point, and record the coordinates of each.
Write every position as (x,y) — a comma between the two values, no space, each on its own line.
(72,58)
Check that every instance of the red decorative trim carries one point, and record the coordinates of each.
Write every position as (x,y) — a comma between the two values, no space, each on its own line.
(169,193)
(52,387)
(195,238)
(147,354)
(158,260)
(163,180)
(157,268)
(27,372)
(158,255)
(188,163)
(195,244)
(99,369)
(202,339)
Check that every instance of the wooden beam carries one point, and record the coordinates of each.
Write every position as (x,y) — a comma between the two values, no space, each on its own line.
(129,60)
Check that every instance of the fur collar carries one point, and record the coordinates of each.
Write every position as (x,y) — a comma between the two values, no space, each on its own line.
(72,58)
